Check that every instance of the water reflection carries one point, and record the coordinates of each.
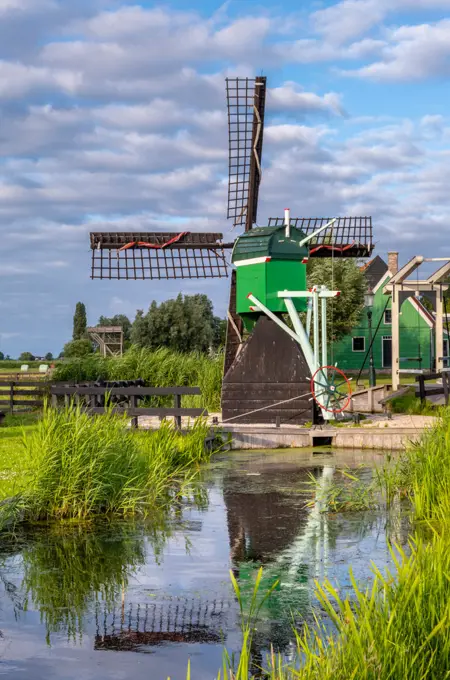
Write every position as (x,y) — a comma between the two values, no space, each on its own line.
(144,588)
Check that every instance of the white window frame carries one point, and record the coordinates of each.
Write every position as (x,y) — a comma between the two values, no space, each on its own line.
(387,323)
(358,337)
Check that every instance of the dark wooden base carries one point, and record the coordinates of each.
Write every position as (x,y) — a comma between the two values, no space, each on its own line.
(270,368)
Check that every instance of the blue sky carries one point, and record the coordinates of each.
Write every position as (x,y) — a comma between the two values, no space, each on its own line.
(112,116)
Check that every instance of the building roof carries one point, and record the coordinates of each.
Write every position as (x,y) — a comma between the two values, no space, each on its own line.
(374,270)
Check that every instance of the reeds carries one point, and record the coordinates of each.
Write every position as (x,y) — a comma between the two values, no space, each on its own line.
(74,465)
(159,368)
(399,626)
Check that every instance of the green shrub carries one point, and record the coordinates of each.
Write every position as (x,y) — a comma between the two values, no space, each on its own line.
(159,368)
(78,466)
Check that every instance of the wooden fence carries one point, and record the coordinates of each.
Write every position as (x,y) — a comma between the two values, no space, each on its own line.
(126,400)
(21,393)
(425,390)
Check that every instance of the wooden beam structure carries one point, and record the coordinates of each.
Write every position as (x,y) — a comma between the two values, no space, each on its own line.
(400,283)
(108,338)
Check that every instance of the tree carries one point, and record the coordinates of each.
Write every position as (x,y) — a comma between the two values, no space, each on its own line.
(49,356)
(345,275)
(2,356)
(184,324)
(220,332)
(79,321)
(26,356)
(117,320)
(77,349)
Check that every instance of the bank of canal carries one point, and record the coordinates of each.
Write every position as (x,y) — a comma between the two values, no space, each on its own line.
(128,600)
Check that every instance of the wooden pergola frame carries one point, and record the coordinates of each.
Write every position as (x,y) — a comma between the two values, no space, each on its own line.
(434,283)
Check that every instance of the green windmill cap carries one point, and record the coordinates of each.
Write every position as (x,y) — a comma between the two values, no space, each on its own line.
(270,242)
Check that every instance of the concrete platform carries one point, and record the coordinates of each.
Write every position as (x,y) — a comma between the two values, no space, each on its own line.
(377,432)
(260,437)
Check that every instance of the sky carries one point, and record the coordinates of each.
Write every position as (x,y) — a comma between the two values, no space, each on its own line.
(113,116)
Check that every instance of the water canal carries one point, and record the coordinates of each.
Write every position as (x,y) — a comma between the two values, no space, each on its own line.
(121,601)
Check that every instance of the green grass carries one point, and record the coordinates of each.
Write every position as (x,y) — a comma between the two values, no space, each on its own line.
(72,465)
(159,368)
(399,627)
(412,405)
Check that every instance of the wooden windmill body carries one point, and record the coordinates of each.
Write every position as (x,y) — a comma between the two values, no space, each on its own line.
(266,377)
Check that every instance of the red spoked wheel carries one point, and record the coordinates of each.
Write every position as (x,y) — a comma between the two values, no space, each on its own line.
(331,389)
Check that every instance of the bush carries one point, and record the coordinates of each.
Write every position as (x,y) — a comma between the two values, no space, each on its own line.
(159,368)
(78,348)
(76,466)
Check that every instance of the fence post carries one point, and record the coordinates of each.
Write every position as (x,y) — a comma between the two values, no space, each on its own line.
(54,401)
(445,384)
(11,397)
(422,388)
(177,404)
(133,404)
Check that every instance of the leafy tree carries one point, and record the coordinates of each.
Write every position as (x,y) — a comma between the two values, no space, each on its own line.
(79,321)
(185,324)
(345,275)
(78,348)
(117,320)
(49,356)
(2,356)
(26,356)
(139,329)
(220,332)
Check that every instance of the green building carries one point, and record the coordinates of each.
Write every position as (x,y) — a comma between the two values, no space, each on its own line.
(417,328)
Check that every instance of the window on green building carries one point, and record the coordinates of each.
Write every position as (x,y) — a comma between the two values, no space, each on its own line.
(359,344)
(388,316)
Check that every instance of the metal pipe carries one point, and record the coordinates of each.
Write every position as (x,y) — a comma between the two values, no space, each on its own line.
(324,333)
(316,323)
(287,222)
(302,336)
(317,232)
(309,318)
(308,293)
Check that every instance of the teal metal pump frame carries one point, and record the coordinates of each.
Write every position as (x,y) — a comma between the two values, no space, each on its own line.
(319,371)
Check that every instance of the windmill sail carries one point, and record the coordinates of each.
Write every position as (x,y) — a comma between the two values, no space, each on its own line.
(158,255)
(246,99)
(347,237)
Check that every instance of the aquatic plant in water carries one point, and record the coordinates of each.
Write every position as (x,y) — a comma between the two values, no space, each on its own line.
(399,627)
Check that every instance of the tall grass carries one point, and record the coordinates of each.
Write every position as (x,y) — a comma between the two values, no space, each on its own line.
(159,368)
(399,627)
(77,466)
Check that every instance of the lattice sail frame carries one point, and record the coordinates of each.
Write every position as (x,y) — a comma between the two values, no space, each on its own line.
(121,255)
(246,99)
(348,237)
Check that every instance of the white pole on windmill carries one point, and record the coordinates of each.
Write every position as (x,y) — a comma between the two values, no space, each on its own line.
(303,338)
(317,232)
(309,317)
(324,330)
(316,323)
(287,222)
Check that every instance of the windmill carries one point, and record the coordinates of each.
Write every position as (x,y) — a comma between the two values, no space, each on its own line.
(264,362)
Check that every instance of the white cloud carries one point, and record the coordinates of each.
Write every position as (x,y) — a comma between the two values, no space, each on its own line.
(349,19)
(120,123)
(412,53)
(289,98)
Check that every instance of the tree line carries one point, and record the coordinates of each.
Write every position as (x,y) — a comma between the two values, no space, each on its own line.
(184,324)
(188,323)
